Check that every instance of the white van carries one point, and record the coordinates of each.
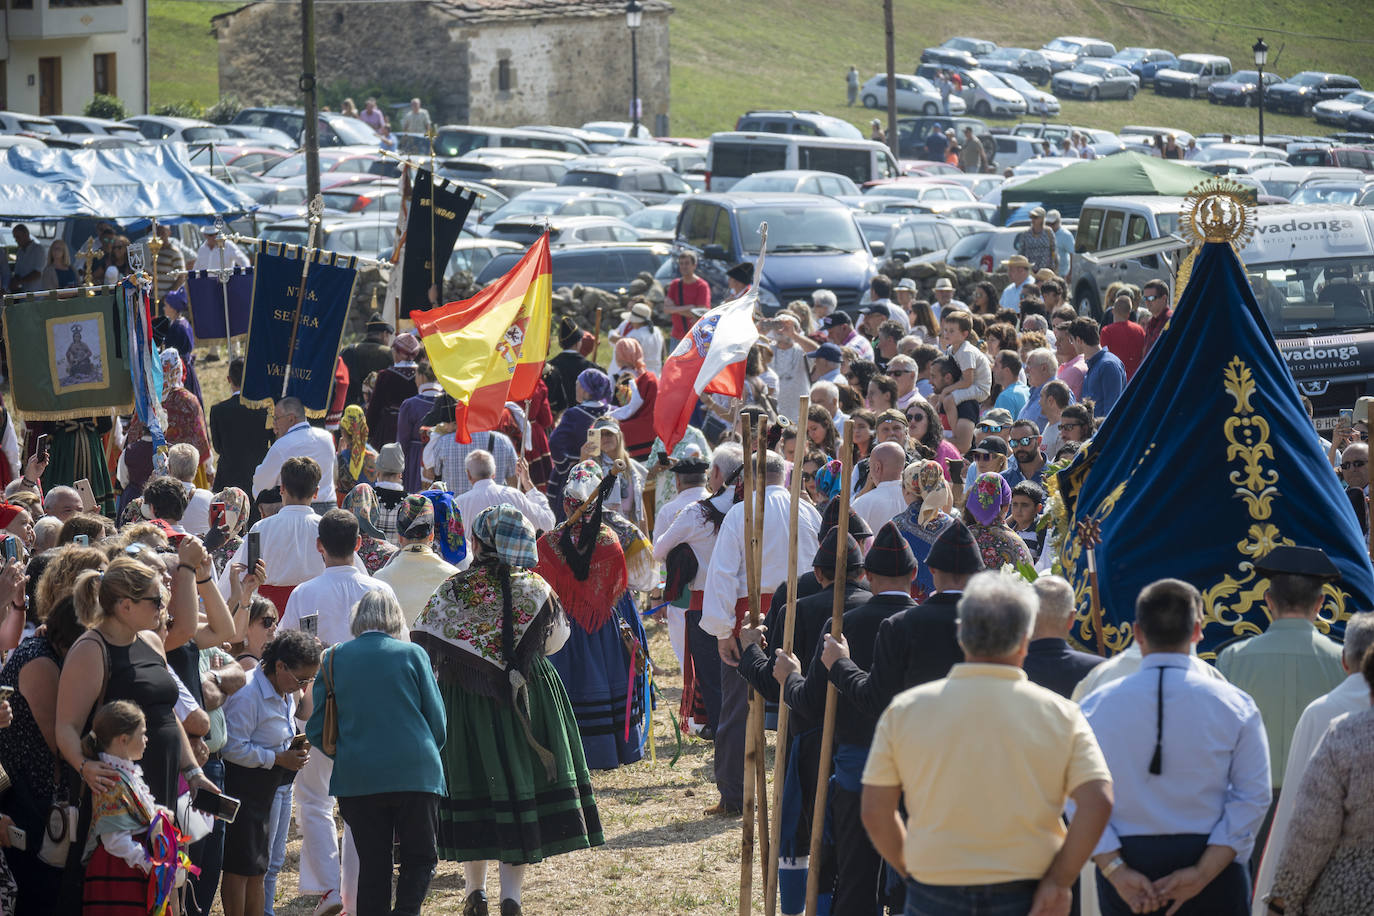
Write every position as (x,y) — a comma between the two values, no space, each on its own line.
(1192,75)
(733,155)
(1311,268)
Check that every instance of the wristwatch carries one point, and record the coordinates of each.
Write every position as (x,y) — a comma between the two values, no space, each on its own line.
(214,676)
(1112,866)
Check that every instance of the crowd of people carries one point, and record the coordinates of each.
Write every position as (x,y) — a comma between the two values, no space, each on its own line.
(443,639)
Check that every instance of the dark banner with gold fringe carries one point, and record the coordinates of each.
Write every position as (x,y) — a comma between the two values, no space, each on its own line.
(68,358)
(307,341)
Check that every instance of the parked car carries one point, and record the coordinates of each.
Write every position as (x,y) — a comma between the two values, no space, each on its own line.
(734,155)
(1096,79)
(1055,133)
(262,136)
(76,125)
(566,202)
(1135,133)
(1336,112)
(978,184)
(27,125)
(983,93)
(797,181)
(1066,51)
(454,140)
(1145,62)
(363,199)
(1192,75)
(984,250)
(607,266)
(1300,93)
(1241,88)
(1359,193)
(618,129)
(1283,180)
(344,159)
(511,176)
(813,243)
(355,235)
(215,157)
(1361,121)
(810,123)
(927,168)
(657,223)
(334,129)
(648,182)
(914,93)
(1014,149)
(563,230)
(600,144)
(925,190)
(681,159)
(949,57)
(1038,102)
(978,47)
(1024,62)
(1218,151)
(172,130)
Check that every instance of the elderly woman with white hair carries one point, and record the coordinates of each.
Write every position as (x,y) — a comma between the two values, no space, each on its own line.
(387,775)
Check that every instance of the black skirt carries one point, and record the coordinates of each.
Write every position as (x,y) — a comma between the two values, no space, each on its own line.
(246,839)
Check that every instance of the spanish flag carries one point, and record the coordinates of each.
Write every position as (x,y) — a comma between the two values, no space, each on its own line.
(490,349)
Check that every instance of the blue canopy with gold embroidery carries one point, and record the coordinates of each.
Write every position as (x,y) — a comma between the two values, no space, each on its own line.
(1205,464)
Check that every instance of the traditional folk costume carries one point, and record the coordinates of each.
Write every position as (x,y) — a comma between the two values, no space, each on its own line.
(134,857)
(373,548)
(988,501)
(394,385)
(565,445)
(357,461)
(76,450)
(518,785)
(179,335)
(591,564)
(185,416)
(926,517)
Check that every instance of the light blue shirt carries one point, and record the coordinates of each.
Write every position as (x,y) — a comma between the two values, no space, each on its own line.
(1011,296)
(1032,409)
(1214,755)
(260,722)
(1013,399)
(1063,240)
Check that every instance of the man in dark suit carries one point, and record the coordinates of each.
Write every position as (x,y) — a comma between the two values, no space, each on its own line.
(371,354)
(1050,661)
(890,565)
(240,436)
(917,645)
(562,370)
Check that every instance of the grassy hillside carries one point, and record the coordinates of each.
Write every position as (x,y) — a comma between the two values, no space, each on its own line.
(729,56)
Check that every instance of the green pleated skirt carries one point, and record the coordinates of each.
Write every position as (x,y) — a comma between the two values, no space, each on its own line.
(501,803)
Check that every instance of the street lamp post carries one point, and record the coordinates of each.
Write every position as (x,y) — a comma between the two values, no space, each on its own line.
(1261,57)
(634,15)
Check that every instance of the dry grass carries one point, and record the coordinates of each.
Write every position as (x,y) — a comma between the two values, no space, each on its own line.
(661,855)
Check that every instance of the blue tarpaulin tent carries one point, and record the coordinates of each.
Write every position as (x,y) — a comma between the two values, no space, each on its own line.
(124,185)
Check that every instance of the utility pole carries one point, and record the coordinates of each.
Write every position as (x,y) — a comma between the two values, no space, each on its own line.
(310,137)
(891,80)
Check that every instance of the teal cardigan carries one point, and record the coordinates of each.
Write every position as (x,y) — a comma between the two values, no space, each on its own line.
(391,718)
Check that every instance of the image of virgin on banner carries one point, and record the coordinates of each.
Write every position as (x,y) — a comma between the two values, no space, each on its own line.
(212,298)
(293,336)
(426,254)
(68,358)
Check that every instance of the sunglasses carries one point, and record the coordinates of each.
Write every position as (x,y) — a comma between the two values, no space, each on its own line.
(1023,441)
(267,622)
(156,599)
(979,455)
(1072,424)
(990,428)
(1347,465)
(896,372)
(1153,298)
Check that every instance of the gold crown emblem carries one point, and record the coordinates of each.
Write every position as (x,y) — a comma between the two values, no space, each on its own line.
(1219,210)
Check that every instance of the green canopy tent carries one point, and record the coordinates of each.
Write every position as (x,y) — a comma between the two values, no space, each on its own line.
(1125,173)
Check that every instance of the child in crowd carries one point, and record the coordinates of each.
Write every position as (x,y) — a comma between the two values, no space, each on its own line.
(961,400)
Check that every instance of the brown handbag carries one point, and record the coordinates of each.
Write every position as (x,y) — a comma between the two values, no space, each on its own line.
(329,739)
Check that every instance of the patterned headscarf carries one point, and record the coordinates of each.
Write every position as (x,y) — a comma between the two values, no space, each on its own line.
(353,426)
(415,518)
(235,509)
(629,354)
(924,482)
(449,536)
(173,372)
(596,383)
(505,529)
(582,482)
(988,497)
(362,502)
(406,345)
(828,478)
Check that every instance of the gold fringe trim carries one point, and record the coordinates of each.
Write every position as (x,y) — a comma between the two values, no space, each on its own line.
(80,413)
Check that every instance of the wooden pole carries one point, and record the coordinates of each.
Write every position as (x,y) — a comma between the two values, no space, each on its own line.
(746,854)
(596,332)
(770,901)
(757,710)
(813,873)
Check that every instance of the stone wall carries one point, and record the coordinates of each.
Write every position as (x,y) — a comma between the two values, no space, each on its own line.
(560,70)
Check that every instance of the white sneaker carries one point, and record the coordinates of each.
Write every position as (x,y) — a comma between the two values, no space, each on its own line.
(329,905)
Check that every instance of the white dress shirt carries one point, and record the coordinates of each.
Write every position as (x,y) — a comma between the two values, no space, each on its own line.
(300,441)
(879,505)
(286,542)
(196,518)
(663,519)
(332,595)
(209,256)
(487,492)
(1351,696)
(692,527)
(414,573)
(1214,755)
(650,341)
(794,380)
(259,722)
(9,444)
(725,580)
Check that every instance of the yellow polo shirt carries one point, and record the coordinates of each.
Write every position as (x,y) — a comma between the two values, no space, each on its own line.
(985,760)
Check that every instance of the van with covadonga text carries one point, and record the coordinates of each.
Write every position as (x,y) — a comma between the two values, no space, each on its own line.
(736,154)
(1311,268)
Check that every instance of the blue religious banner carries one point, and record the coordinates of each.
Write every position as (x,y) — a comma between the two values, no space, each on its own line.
(217,297)
(294,334)
(1207,463)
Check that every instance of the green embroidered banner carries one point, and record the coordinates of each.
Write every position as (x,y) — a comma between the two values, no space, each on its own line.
(68,358)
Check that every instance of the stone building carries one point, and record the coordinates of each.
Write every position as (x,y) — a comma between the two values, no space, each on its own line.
(495,62)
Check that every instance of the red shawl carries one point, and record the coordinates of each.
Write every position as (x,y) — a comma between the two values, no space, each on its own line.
(590,602)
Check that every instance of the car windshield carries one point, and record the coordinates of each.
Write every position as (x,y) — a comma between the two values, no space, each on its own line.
(290,235)
(201,134)
(1189,66)
(352,131)
(1129,55)
(289,167)
(653,218)
(1306,79)
(800,228)
(1321,295)
(1325,194)
(1093,68)
(1006,54)
(766,183)
(1019,83)
(590,179)
(989,80)
(1246,77)
(1068,47)
(1280,187)
(524,205)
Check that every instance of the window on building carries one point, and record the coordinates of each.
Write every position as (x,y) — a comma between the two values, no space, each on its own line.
(105,74)
(503,74)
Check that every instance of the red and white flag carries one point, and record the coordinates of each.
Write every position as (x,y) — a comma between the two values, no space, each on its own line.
(709,360)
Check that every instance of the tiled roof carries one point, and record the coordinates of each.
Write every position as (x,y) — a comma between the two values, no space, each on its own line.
(490,10)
